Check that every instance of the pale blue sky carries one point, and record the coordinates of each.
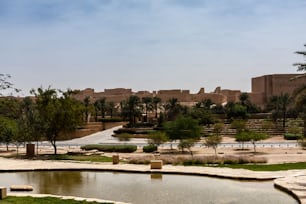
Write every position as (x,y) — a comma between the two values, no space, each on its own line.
(148,44)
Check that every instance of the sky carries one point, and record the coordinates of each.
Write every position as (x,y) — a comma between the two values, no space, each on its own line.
(148,44)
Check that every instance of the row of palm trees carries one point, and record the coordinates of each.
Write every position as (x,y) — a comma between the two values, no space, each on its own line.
(132,108)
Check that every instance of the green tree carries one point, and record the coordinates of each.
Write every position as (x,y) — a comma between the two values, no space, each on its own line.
(9,107)
(244,98)
(7,131)
(256,136)
(239,125)
(215,139)
(203,113)
(58,115)
(243,136)
(183,128)
(236,111)
(186,144)
(245,101)
(157,138)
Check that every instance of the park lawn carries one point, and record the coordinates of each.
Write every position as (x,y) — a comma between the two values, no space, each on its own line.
(91,158)
(267,167)
(45,200)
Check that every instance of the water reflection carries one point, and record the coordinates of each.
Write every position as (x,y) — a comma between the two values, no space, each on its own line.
(156,176)
(54,182)
(149,189)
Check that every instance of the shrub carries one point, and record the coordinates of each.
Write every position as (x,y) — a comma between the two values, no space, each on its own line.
(111,148)
(199,160)
(289,136)
(302,142)
(150,148)
(132,131)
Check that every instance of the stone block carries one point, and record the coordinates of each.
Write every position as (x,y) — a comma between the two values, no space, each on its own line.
(2,193)
(115,159)
(21,188)
(156,164)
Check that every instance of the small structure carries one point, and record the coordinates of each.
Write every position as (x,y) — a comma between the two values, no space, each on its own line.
(115,159)
(2,193)
(30,150)
(156,164)
(21,188)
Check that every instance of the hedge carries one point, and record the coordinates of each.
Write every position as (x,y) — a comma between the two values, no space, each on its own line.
(132,131)
(111,148)
(149,148)
(289,136)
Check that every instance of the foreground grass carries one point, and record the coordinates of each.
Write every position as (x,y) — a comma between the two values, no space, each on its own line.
(45,200)
(267,167)
(91,158)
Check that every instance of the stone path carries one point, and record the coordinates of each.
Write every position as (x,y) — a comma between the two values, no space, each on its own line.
(292,181)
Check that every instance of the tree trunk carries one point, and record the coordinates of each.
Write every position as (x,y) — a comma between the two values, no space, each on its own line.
(156,112)
(7,148)
(254,146)
(284,120)
(304,119)
(37,147)
(54,146)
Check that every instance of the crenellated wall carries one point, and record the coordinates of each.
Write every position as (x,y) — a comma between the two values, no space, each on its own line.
(263,88)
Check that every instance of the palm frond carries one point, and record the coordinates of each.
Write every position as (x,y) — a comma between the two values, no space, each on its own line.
(298,91)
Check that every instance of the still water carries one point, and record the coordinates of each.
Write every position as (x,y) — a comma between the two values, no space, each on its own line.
(149,189)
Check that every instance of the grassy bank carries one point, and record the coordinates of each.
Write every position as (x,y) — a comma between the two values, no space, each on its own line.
(91,158)
(267,167)
(45,200)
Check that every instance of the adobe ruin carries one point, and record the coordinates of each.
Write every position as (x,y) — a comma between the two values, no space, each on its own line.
(263,87)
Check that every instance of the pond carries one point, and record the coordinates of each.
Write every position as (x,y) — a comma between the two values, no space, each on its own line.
(145,188)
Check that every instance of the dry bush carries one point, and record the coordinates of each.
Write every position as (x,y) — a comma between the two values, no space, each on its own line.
(198,160)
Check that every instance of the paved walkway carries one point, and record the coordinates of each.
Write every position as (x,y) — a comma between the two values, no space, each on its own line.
(293,181)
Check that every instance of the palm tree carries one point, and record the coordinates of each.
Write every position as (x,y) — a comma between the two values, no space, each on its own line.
(130,109)
(86,103)
(279,105)
(148,106)
(172,108)
(110,106)
(156,100)
(100,105)
(300,93)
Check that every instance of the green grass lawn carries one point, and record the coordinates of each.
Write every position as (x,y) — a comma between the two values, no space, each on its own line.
(45,200)
(267,167)
(91,158)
